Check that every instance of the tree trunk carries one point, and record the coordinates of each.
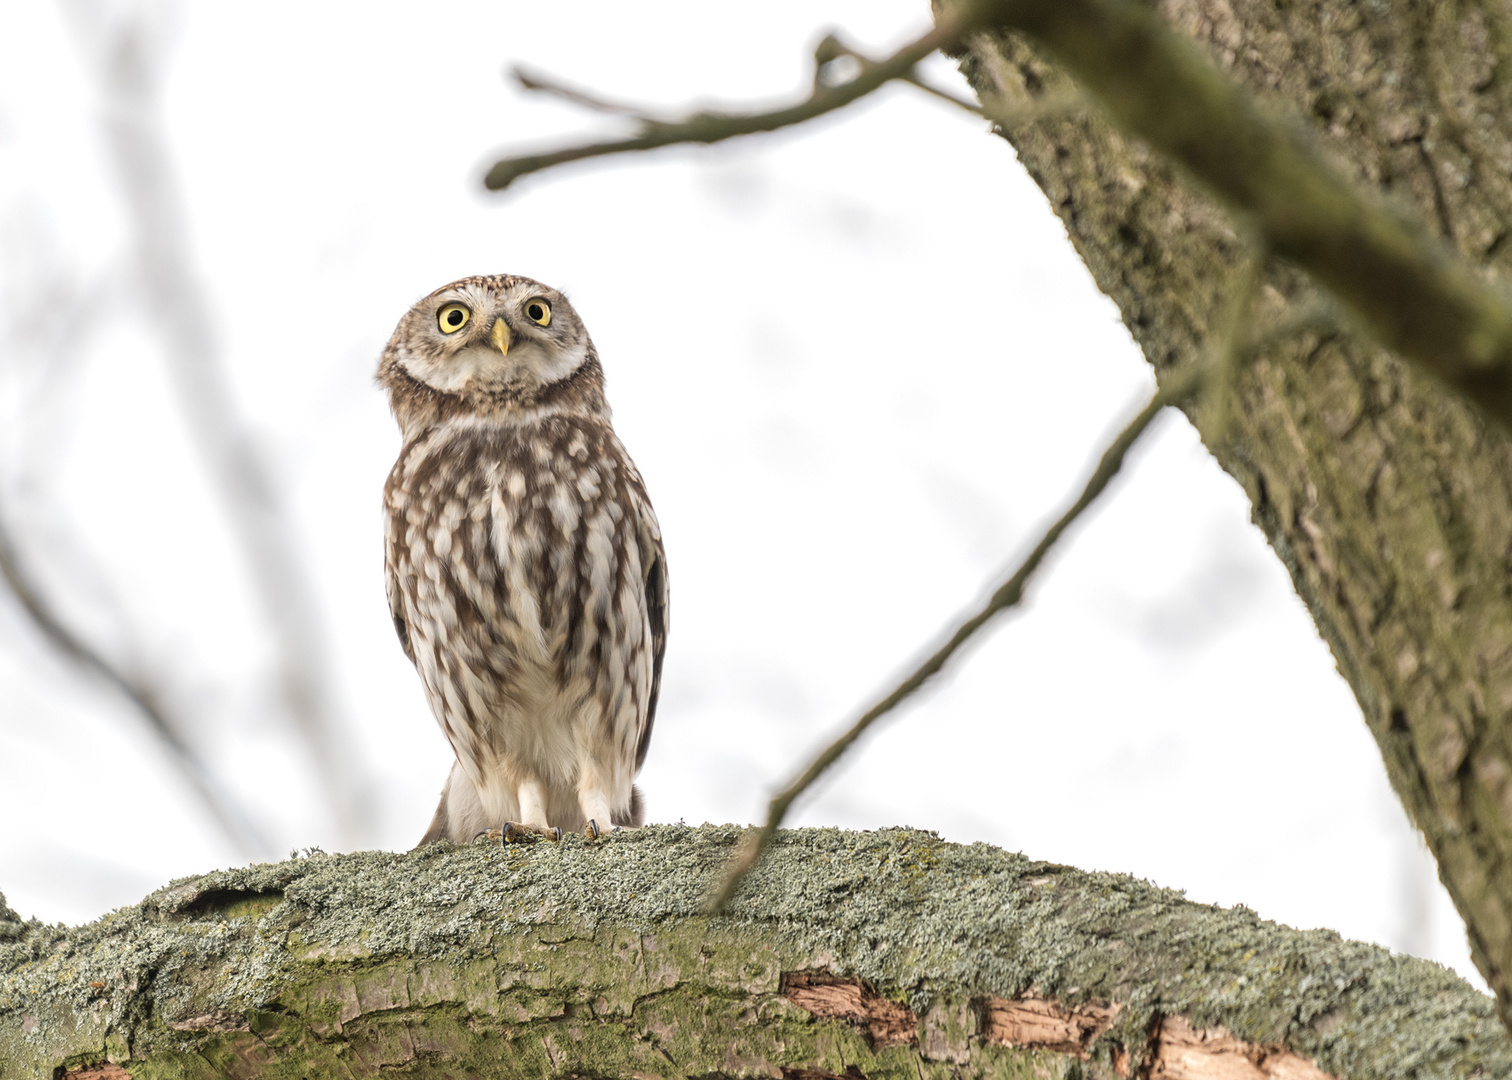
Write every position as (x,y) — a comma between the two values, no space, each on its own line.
(1389,501)
(845,955)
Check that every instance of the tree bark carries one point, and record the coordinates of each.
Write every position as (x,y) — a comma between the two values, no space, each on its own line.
(845,955)
(1388,499)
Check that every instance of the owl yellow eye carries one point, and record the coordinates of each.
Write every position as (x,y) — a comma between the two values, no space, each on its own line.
(539,312)
(452,318)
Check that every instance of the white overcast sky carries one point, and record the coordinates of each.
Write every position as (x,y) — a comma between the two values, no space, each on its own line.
(860,367)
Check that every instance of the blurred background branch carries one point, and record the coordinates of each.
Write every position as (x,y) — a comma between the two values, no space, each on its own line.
(228,814)
(125,57)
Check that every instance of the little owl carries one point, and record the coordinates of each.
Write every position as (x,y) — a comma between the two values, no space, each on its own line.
(525,568)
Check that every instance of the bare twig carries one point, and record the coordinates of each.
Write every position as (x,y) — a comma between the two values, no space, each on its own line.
(831,48)
(1218,387)
(545,84)
(1007,595)
(231,818)
(713,127)
(946,96)
(1319,313)
(181,314)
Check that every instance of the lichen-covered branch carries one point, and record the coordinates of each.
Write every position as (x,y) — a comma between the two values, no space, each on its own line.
(847,955)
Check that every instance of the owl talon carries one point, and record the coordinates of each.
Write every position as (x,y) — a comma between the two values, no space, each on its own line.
(515,833)
(591,830)
(489,834)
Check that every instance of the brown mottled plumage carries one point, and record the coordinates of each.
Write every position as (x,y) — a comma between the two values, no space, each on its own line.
(525,568)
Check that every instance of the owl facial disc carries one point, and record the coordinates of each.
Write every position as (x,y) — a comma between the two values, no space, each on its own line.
(491,335)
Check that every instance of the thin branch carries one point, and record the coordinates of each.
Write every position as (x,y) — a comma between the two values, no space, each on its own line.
(231,818)
(831,48)
(50,325)
(545,84)
(946,96)
(1218,388)
(1319,313)
(712,127)
(1008,595)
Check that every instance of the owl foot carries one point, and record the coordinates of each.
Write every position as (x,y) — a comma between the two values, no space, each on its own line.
(515,833)
(593,832)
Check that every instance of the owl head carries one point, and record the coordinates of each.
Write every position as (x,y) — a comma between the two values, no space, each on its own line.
(490,342)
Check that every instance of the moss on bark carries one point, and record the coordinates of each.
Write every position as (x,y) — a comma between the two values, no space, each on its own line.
(596,960)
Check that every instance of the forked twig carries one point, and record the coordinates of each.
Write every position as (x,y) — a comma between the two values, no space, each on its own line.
(545,84)
(712,127)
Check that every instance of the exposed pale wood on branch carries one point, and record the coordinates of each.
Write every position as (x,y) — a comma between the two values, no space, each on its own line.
(824,995)
(1033,1021)
(1183,1052)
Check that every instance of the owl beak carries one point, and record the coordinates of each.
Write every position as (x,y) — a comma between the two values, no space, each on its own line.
(499,333)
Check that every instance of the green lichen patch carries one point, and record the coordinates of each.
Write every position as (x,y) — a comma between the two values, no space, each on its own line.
(596,959)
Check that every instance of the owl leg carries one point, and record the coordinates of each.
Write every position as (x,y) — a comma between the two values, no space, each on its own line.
(593,797)
(532,814)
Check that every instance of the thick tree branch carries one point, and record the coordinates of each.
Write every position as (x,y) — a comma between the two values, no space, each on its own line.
(883,954)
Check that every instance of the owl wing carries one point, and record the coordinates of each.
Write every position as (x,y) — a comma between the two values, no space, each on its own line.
(653,561)
(396,606)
